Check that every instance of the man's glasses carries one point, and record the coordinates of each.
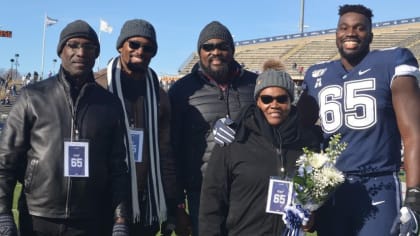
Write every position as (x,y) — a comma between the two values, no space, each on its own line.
(208,47)
(136,45)
(267,99)
(86,46)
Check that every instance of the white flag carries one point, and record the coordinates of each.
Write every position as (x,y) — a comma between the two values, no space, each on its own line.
(105,27)
(50,21)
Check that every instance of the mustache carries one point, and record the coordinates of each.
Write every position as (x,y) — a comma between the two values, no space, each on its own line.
(351,38)
(136,67)
(213,57)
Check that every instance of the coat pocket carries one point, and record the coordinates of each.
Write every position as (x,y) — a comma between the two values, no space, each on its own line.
(30,172)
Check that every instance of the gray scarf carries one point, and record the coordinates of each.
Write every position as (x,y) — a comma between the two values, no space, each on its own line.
(156,199)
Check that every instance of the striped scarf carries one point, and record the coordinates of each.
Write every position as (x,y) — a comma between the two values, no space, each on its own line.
(156,205)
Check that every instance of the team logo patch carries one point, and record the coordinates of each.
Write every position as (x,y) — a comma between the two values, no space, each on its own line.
(319,72)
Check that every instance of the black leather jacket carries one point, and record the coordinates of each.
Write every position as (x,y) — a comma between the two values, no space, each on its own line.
(32,151)
(196,104)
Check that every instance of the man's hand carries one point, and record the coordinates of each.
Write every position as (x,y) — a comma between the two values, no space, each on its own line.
(7,225)
(407,221)
(167,227)
(223,134)
(183,223)
(120,228)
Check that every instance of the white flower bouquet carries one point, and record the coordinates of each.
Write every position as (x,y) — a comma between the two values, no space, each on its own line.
(317,176)
(314,182)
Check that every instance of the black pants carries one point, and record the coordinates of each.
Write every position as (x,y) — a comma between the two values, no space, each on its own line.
(40,226)
(30,225)
(140,229)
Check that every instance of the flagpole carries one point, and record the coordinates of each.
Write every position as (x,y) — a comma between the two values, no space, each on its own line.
(43,48)
(99,39)
(103,26)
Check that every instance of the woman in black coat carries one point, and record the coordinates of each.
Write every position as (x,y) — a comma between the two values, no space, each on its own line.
(268,141)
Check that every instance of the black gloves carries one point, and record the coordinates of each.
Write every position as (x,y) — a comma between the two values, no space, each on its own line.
(223,134)
(120,230)
(7,225)
(407,222)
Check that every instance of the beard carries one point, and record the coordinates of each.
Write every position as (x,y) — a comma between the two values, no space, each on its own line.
(219,75)
(357,56)
(136,68)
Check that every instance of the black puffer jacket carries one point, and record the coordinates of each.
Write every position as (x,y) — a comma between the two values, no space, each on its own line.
(32,150)
(196,104)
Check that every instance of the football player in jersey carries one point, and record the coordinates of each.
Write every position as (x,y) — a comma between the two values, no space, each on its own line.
(373,100)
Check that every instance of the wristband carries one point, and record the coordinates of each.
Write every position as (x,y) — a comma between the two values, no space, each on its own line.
(412,198)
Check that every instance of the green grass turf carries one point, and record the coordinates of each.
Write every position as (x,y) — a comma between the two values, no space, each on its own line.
(16,195)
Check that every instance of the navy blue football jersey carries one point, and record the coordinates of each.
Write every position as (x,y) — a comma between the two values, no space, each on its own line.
(358,105)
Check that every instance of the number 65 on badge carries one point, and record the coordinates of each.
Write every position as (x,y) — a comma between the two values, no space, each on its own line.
(279,195)
(76,159)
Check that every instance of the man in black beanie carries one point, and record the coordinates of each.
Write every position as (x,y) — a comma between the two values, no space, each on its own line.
(212,94)
(147,112)
(64,141)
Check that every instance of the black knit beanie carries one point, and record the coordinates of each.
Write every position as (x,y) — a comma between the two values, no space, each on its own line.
(215,30)
(78,28)
(137,27)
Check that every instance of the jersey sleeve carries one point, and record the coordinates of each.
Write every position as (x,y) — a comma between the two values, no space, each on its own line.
(406,64)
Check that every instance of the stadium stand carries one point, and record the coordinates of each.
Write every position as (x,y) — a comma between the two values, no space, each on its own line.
(309,48)
(5,108)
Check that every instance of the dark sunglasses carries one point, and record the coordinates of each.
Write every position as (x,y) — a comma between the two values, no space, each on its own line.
(86,46)
(267,99)
(208,47)
(136,45)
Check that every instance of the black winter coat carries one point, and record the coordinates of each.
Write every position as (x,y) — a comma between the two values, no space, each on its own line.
(235,187)
(32,151)
(196,104)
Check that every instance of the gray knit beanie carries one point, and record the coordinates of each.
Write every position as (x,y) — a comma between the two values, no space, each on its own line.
(215,30)
(274,78)
(75,29)
(137,27)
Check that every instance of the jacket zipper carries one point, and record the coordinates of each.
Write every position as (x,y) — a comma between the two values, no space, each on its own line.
(73,110)
(280,156)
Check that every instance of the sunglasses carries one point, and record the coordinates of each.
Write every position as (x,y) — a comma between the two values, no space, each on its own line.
(208,47)
(267,99)
(86,46)
(136,45)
